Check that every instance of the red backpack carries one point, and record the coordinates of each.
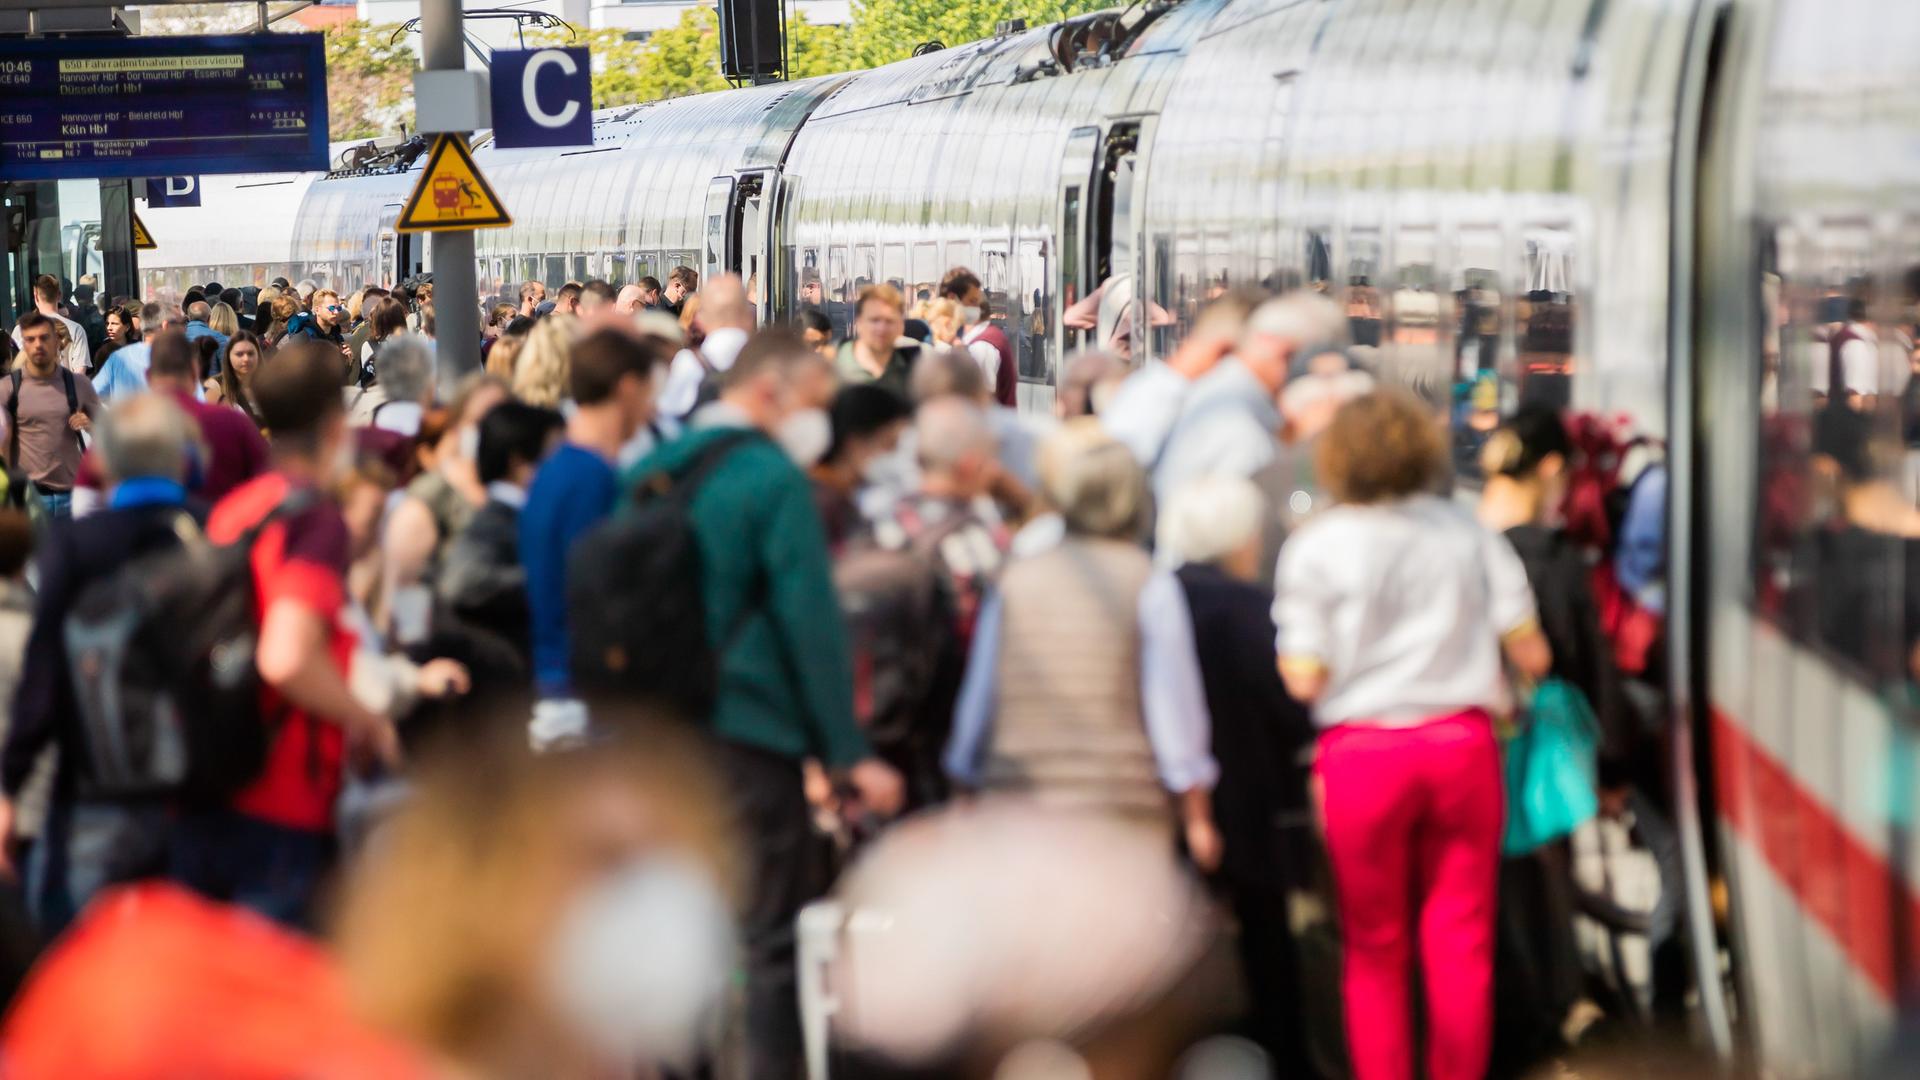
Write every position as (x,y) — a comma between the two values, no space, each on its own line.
(1595,504)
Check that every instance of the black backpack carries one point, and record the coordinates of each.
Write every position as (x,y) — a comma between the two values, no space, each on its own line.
(636,612)
(900,618)
(161,653)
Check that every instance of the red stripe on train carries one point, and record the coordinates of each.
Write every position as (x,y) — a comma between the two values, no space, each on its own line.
(1840,883)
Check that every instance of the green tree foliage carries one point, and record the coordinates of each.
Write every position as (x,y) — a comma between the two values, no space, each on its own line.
(887,30)
(369,81)
(685,58)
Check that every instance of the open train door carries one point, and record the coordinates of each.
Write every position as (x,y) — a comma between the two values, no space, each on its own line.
(1099,240)
(402,255)
(739,235)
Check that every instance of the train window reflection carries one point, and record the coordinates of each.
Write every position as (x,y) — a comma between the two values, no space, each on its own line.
(894,269)
(1837,544)
(1543,319)
(927,270)
(1362,292)
(1070,259)
(959,253)
(839,287)
(1035,312)
(1319,256)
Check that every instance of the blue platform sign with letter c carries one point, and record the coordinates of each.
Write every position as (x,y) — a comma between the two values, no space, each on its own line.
(163,191)
(542,97)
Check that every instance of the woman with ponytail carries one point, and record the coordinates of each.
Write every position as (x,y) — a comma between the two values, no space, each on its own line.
(1538,978)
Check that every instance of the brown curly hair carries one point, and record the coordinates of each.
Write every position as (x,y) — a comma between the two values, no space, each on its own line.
(1381,446)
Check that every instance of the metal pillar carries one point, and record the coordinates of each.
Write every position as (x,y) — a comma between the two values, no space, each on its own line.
(456,295)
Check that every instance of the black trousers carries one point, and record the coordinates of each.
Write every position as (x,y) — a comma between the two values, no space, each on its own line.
(770,817)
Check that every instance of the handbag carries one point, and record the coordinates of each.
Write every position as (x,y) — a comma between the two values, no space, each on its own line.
(1551,763)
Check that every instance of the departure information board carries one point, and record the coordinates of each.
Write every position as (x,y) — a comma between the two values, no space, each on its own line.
(75,108)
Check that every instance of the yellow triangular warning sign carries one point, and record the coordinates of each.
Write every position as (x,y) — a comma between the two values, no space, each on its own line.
(451,193)
(142,239)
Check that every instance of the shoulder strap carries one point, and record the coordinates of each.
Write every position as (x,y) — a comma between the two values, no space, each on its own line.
(73,404)
(684,482)
(13,419)
(296,501)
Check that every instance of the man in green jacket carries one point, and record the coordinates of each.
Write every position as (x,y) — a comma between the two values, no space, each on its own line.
(786,677)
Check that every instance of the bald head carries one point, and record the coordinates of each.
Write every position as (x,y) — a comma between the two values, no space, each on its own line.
(947,373)
(723,303)
(1295,327)
(954,444)
(628,301)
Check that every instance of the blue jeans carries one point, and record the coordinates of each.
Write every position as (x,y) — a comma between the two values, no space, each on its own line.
(58,505)
(266,868)
(86,847)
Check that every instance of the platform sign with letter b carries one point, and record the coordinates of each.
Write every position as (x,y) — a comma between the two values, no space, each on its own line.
(542,97)
(173,191)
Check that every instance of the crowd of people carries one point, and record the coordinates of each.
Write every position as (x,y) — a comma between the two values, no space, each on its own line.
(741,594)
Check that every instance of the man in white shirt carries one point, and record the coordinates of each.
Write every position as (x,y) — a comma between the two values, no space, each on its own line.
(985,342)
(727,318)
(74,356)
(1853,353)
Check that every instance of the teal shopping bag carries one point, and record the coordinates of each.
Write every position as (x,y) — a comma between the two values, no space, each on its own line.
(1551,765)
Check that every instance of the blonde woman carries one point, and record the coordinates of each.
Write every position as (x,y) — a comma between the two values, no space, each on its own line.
(540,370)
(263,311)
(222,320)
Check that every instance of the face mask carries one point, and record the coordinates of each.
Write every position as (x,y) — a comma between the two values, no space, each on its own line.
(891,471)
(970,315)
(805,436)
(640,958)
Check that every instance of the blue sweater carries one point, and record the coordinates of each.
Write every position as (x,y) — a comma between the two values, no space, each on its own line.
(573,490)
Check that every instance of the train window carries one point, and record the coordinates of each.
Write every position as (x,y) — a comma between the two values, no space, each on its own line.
(927,270)
(617,269)
(579,269)
(1036,313)
(995,280)
(866,269)
(894,269)
(1479,322)
(1543,319)
(1070,258)
(959,253)
(1362,287)
(1836,562)
(1186,281)
(1417,312)
(1159,292)
(839,284)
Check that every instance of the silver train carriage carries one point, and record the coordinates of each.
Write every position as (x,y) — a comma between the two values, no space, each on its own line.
(1639,207)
